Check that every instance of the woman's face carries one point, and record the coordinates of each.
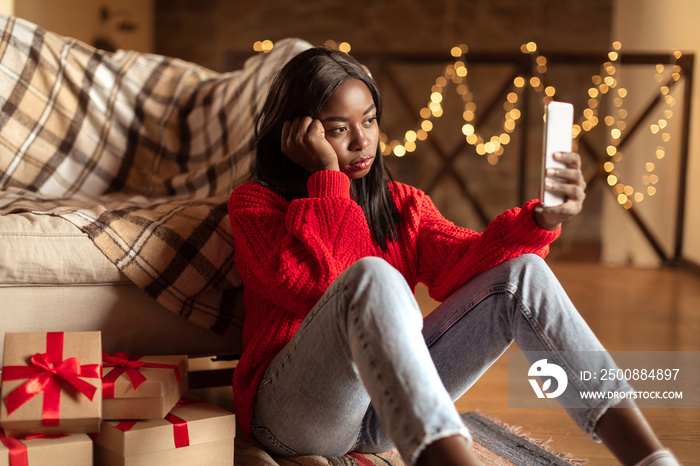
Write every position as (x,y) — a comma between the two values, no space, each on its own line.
(349,119)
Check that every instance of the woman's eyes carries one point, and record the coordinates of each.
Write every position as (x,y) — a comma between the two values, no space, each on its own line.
(342,129)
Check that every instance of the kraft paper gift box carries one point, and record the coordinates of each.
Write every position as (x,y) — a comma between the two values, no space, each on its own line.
(194,433)
(141,387)
(51,383)
(41,449)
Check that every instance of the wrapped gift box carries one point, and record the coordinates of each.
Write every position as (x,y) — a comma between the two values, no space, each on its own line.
(51,383)
(142,387)
(195,432)
(61,450)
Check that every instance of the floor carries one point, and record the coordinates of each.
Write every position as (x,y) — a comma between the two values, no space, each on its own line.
(629,310)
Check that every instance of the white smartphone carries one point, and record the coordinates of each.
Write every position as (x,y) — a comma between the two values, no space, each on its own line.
(559,122)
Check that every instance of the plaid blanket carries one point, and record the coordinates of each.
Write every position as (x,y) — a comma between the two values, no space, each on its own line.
(140,152)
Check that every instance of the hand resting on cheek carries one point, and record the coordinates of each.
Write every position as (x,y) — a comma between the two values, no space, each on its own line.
(304,141)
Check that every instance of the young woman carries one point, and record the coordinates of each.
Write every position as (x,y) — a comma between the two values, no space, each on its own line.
(337,355)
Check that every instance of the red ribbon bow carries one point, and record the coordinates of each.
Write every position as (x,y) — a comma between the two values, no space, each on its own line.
(47,373)
(18,450)
(124,362)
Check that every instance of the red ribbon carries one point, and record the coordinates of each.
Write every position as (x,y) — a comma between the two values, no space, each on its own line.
(188,401)
(125,426)
(47,373)
(18,450)
(180,430)
(124,362)
(181,433)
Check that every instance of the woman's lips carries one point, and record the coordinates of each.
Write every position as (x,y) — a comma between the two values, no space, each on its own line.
(362,163)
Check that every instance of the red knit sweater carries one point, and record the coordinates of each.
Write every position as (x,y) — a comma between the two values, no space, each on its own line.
(288,253)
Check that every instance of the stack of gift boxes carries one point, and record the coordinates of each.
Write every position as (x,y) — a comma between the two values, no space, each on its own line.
(63,401)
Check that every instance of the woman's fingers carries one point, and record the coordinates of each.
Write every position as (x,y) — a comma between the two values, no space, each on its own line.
(303,141)
(568,181)
(573,188)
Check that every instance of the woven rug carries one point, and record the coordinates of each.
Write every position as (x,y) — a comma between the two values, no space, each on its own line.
(495,444)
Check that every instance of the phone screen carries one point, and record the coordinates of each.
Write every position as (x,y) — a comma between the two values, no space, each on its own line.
(559,121)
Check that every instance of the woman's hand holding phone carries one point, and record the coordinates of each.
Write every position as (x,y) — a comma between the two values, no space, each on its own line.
(304,141)
(563,187)
(568,182)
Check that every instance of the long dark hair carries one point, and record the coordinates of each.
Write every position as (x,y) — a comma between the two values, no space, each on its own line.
(302,88)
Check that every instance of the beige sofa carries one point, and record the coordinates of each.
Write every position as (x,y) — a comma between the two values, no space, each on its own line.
(115,169)
(53,278)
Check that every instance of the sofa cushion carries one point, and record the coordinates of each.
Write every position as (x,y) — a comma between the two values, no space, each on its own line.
(48,250)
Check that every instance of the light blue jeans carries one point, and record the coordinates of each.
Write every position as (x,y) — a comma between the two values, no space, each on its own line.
(360,375)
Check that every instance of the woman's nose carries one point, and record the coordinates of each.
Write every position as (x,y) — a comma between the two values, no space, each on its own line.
(359,141)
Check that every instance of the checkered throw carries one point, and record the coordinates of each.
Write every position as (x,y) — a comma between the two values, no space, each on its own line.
(140,152)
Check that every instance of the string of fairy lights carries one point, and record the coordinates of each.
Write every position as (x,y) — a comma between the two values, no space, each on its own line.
(493,146)
(607,82)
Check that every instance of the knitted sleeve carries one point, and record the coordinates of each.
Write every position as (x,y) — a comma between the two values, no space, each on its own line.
(290,252)
(449,256)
